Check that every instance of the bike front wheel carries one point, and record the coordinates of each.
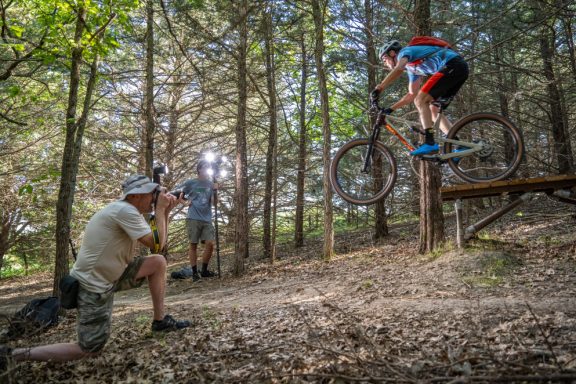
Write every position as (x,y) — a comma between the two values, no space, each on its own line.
(358,187)
(502,148)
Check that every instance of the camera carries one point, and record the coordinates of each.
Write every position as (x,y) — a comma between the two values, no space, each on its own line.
(177,194)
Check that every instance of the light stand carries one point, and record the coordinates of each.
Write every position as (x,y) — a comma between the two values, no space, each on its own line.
(216,230)
(216,162)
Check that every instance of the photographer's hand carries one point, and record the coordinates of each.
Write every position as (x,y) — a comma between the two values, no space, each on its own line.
(181,199)
(165,201)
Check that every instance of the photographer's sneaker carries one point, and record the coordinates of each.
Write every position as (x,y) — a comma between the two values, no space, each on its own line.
(168,323)
(5,358)
(207,273)
(182,274)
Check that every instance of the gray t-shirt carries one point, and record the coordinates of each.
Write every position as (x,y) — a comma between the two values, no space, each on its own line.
(199,193)
(108,245)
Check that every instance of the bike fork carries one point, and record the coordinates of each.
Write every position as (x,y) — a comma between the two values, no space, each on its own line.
(369,151)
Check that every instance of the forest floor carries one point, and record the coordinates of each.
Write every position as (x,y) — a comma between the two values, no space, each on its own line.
(503,309)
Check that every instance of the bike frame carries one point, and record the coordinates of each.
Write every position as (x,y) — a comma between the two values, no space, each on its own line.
(387,121)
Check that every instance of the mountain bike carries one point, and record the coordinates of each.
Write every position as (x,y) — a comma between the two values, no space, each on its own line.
(480,147)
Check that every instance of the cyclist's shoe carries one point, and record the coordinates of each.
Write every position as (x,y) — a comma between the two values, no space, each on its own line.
(168,323)
(458,149)
(184,273)
(195,277)
(425,149)
(207,273)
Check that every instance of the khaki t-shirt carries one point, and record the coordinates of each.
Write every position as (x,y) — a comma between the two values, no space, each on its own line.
(108,246)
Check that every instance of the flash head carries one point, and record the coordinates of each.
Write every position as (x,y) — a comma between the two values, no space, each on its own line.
(161,169)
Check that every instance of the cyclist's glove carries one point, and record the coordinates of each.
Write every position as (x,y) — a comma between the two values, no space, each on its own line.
(387,111)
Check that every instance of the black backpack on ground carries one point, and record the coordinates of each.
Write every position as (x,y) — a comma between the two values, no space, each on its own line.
(35,317)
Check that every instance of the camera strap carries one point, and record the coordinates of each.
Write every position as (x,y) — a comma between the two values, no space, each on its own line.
(155,234)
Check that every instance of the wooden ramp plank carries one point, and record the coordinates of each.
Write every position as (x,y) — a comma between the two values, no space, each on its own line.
(538,184)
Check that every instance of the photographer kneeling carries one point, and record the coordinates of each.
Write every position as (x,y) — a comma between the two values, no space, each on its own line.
(105,264)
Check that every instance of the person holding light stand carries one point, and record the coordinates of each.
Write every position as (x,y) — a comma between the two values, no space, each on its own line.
(201,194)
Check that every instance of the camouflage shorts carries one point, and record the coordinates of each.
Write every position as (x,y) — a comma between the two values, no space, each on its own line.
(95,309)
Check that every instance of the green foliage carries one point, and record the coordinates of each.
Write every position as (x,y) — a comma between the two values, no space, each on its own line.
(14,266)
(492,269)
(195,96)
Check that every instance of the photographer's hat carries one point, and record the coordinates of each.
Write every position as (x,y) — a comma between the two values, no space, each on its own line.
(136,185)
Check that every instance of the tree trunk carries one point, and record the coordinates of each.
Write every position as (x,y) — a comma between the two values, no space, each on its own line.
(567,23)
(5,226)
(318,12)
(149,94)
(302,146)
(562,147)
(72,148)
(270,158)
(241,191)
(380,220)
(431,217)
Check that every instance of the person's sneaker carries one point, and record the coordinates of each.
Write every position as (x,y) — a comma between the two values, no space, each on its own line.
(5,358)
(184,273)
(207,273)
(195,277)
(425,149)
(168,323)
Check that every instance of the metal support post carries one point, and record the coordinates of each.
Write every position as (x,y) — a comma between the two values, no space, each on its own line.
(459,224)
(471,230)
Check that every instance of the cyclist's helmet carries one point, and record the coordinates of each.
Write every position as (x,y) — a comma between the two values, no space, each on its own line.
(392,45)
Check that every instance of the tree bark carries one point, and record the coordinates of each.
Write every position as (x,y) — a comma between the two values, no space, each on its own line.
(318,12)
(302,145)
(72,149)
(562,147)
(431,217)
(380,220)
(272,134)
(149,95)
(241,181)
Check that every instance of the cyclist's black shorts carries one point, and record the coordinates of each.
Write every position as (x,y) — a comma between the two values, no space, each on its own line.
(448,80)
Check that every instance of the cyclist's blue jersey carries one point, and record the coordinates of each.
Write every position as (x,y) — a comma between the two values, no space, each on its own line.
(422,61)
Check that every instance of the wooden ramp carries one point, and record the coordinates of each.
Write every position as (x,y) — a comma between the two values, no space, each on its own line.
(560,187)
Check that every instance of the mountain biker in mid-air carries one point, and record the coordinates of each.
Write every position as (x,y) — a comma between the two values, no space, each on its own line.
(449,72)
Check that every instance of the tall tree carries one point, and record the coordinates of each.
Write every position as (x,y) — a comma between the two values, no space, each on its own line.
(241,191)
(148,133)
(268,237)
(431,217)
(318,8)
(302,140)
(557,108)
(380,222)
(75,127)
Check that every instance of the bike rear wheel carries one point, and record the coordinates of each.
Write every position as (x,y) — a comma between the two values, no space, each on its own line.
(355,186)
(502,153)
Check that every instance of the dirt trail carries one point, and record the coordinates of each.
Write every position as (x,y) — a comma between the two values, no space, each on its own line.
(378,311)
